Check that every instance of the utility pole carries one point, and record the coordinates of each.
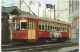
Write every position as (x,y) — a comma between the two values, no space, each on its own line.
(45,9)
(54,12)
(12,2)
(20,4)
(38,8)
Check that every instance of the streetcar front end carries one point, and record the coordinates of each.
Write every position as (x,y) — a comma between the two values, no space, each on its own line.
(19,30)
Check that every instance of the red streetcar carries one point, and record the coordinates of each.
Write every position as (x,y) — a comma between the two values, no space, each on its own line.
(36,29)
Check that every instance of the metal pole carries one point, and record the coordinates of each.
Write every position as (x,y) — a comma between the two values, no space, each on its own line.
(50,13)
(45,9)
(20,5)
(54,12)
(38,8)
(12,2)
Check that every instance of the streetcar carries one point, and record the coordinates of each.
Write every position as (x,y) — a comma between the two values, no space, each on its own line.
(30,29)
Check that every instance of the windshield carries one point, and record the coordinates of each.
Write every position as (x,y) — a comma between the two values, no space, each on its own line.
(23,25)
(19,25)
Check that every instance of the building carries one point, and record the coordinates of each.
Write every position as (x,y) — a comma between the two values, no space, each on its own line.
(7,14)
(2,3)
(61,11)
(74,17)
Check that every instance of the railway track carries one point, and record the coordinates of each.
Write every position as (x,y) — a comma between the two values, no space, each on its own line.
(38,47)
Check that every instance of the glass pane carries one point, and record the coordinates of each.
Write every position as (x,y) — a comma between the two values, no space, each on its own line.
(42,27)
(39,27)
(13,20)
(17,25)
(46,24)
(13,26)
(32,24)
(23,25)
(50,24)
(39,23)
(28,26)
(53,24)
(42,23)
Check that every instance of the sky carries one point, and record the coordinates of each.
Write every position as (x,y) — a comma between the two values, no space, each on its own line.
(34,7)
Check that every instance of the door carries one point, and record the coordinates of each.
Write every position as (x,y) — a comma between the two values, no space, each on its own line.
(69,32)
(31,29)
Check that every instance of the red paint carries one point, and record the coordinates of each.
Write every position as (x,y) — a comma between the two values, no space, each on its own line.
(39,34)
(53,39)
(19,34)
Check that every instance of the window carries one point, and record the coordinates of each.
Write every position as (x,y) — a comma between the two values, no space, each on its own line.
(28,24)
(13,25)
(66,29)
(23,25)
(31,24)
(17,25)
(46,26)
(39,25)
(50,27)
(42,25)
(53,27)
(63,29)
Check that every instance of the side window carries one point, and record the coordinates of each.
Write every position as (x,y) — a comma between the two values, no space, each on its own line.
(53,27)
(33,24)
(61,28)
(50,27)
(23,25)
(42,25)
(39,25)
(56,27)
(13,25)
(66,29)
(17,25)
(46,26)
(28,24)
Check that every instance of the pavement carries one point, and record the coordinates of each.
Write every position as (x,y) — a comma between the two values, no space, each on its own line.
(6,45)
(72,40)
